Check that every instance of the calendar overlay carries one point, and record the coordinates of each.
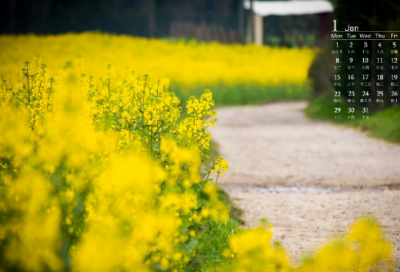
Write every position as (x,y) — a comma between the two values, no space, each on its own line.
(366,71)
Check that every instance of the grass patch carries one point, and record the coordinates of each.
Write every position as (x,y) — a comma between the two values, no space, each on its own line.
(244,94)
(213,154)
(235,213)
(321,108)
(214,239)
(212,242)
(383,124)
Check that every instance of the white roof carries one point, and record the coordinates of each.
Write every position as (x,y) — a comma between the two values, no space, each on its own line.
(289,7)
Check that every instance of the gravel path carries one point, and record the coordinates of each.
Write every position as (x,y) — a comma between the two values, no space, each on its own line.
(310,179)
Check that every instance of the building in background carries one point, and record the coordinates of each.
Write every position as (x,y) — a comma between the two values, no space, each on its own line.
(257,10)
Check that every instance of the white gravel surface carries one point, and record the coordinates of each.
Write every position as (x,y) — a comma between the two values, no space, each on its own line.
(310,179)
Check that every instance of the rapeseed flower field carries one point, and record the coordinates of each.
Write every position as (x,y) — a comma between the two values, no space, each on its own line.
(101,168)
(236,74)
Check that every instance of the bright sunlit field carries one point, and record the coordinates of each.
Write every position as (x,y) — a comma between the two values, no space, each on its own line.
(236,74)
(101,168)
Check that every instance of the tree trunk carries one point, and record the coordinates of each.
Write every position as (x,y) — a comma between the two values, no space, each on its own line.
(241,17)
(152,18)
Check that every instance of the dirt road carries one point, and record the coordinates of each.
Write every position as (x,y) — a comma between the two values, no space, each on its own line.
(310,179)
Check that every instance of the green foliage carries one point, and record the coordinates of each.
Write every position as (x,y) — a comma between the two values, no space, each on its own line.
(213,241)
(321,72)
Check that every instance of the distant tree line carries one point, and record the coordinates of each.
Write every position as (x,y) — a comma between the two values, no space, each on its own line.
(151,18)
(134,17)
